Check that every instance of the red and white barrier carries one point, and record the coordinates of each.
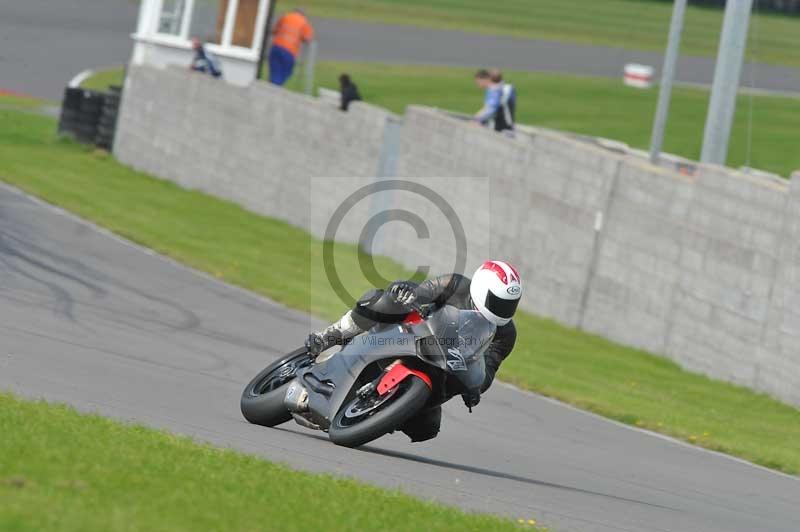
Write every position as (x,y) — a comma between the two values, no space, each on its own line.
(639,76)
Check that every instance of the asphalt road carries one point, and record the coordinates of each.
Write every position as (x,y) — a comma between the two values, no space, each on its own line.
(93,321)
(353,41)
(44,43)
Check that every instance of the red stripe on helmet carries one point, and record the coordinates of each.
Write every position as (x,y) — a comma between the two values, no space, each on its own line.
(514,273)
(497,269)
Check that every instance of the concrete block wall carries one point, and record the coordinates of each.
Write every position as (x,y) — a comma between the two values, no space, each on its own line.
(704,270)
(687,268)
(700,269)
(258,146)
(638,261)
(778,355)
(544,196)
(730,248)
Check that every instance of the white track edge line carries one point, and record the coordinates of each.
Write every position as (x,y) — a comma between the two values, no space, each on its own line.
(79,78)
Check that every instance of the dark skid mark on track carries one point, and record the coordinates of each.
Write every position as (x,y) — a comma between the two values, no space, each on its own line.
(499,474)
(188,321)
(124,356)
(6,248)
(64,303)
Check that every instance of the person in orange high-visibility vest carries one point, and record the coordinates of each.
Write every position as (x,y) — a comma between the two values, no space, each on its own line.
(290,32)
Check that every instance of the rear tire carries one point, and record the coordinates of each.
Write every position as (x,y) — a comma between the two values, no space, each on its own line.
(409,399)
(262,398)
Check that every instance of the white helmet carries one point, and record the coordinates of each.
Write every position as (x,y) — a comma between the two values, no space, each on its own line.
(496,289)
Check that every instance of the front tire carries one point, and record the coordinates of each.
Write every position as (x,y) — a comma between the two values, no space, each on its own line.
(262,398)
(351,430)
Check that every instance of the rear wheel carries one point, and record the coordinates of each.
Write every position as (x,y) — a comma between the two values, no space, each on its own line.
(262,398)
(363,419)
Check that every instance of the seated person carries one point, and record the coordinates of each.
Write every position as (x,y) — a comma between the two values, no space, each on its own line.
(204,61)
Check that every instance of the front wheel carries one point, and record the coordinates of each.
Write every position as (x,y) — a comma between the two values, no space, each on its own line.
(363,419)
(262,398)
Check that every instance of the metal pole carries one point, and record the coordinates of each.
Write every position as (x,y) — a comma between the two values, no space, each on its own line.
(262,53)
(667,75)
(311,62)
(732,43)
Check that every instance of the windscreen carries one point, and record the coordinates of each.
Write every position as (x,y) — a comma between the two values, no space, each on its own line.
(454,339)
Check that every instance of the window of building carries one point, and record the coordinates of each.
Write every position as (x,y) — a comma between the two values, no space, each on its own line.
(171,16)
(208,20)
(244,29)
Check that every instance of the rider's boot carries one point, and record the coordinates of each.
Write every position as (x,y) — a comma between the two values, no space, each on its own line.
(335,334)
(425,425)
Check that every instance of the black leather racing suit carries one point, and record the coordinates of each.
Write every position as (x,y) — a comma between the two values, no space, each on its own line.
(451,289)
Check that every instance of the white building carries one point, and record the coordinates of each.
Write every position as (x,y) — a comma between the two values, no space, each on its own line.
(233,30)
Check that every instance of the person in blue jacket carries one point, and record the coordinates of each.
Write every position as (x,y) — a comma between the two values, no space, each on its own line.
(500,101)
(204,61)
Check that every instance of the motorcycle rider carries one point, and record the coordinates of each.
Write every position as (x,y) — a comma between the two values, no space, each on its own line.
(494,291)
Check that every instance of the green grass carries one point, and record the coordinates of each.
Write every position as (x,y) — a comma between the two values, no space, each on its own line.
(591,106)
(61,470)
(22,102)
(219,237)
(632,24)
(102,79)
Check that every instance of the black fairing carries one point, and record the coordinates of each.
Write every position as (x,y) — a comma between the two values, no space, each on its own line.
(343,369)
(380,307)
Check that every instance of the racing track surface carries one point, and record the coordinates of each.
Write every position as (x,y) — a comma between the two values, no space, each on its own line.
(103,325)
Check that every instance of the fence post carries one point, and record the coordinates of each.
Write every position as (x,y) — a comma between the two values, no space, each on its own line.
(667,76)
(311,64)
(727,73)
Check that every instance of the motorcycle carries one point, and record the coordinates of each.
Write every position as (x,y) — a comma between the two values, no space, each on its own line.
(418,357)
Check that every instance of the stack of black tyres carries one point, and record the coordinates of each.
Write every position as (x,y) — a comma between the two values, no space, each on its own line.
(108,118)
(70,112)
(90,116)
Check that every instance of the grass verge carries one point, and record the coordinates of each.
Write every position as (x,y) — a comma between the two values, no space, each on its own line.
(219,237)
(764,131)
(19,101)
(631,24)
(61,470)
(100,80)
(599,107)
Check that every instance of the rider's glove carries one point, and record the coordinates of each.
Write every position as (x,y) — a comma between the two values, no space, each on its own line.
(471,399)
(403,293)
(315,343)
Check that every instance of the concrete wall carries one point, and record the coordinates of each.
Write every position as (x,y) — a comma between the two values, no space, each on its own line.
(777,360)
(545,195)
(258,146)
(703,269)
